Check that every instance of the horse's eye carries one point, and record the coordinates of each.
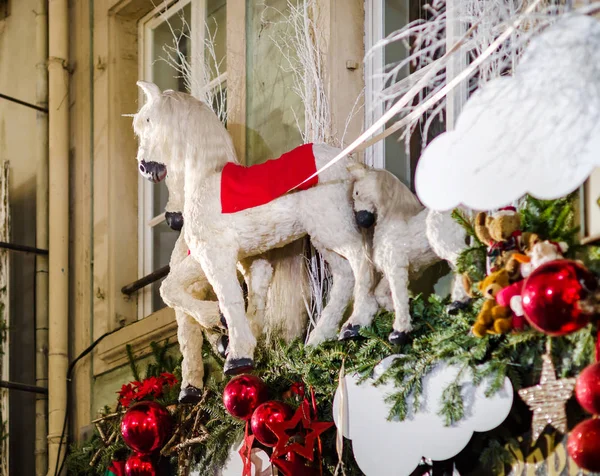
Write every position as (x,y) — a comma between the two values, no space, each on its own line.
(147,119)
(356,193)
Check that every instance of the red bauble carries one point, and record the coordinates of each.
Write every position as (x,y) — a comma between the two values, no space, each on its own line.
(243,394)
(587,389)
(139,465)
(146,426)
(266,414)
(584,445)
(551,296)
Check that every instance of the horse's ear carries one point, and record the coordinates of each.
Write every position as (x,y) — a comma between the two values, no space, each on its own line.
(151,90)
(357,170)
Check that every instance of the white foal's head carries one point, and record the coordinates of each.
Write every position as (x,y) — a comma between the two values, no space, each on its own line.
(172,126)
(380,193)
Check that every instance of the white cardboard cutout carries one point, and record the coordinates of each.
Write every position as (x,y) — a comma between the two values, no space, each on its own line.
(536,132)
(395,448)
(261,466)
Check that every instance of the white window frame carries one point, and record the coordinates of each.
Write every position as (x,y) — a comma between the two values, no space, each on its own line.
(374,32)
(146,219)
(374,66)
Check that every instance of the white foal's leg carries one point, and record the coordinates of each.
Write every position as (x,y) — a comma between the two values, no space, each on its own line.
(383,294)
(257,274)
(397,275)
(220,268)
(447,239)
(365,304)
(189,335)
(340,295)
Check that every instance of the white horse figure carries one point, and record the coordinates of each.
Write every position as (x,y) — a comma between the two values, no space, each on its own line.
(407,239)
(188,292)
(180,134)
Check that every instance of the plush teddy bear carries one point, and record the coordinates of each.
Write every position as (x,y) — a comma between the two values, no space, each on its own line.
(493,318)
(501,232)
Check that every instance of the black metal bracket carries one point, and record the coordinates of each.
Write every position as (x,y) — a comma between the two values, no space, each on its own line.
(23,103)
(145,281)
(23,248)
(23,387)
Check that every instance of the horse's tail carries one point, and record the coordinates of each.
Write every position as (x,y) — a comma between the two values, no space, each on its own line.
(285,312)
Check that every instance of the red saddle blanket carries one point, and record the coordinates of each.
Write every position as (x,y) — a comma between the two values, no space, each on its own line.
(247,187)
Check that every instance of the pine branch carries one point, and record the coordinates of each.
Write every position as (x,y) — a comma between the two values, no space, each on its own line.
(132,363)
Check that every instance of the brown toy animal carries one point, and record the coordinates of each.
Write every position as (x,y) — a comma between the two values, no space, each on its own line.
(493,318)
(501,233)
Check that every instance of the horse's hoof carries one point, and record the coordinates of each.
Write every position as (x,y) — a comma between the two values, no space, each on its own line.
(364,218)
(349,331)
(222,345)
(457,306)
(398,338)
(190,394)
(174,220)
(238,366)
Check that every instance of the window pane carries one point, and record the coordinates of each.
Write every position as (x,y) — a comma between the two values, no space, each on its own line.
(163,73)
(217,30)
(395,17)
(270,101)
(164,240)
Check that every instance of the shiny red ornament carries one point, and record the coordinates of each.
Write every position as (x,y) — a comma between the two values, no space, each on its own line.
(584,445)
(267,414)
(551,296)
(139,465)
(587,389)
(146,426)
(243,394)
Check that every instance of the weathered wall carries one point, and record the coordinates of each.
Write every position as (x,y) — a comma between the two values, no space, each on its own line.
(18,145)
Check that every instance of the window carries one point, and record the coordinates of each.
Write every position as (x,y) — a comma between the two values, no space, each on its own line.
(4,9)
(192,22)
(383,17)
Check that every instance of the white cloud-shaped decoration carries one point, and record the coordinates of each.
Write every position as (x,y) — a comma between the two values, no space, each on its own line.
(536,132)
(395,448)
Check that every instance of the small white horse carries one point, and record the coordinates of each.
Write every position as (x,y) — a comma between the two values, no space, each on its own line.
(407,239)
(180,134)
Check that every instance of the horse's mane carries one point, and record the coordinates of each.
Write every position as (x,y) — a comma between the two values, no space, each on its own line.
(191,127)
(394,196)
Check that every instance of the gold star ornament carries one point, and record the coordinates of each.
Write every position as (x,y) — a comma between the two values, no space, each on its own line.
(547,399)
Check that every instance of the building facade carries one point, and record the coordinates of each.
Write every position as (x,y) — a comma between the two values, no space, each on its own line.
(116,228)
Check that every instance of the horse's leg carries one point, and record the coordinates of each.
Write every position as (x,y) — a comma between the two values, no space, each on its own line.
(174,292)
(397,274)
(189,335)
(257,274)
(365,304)
(220,268)
(340,295)
(383,294)
(448,239)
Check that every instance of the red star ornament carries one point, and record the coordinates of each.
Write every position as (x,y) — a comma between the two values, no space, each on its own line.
(312,429)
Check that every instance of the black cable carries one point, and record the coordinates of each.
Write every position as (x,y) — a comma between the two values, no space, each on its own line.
(58,470)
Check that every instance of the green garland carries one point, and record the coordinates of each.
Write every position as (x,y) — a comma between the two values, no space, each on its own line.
(437,336)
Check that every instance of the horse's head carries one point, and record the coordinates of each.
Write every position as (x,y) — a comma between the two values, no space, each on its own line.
(151,162)
(171,126)
(363,195)
(378,193)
